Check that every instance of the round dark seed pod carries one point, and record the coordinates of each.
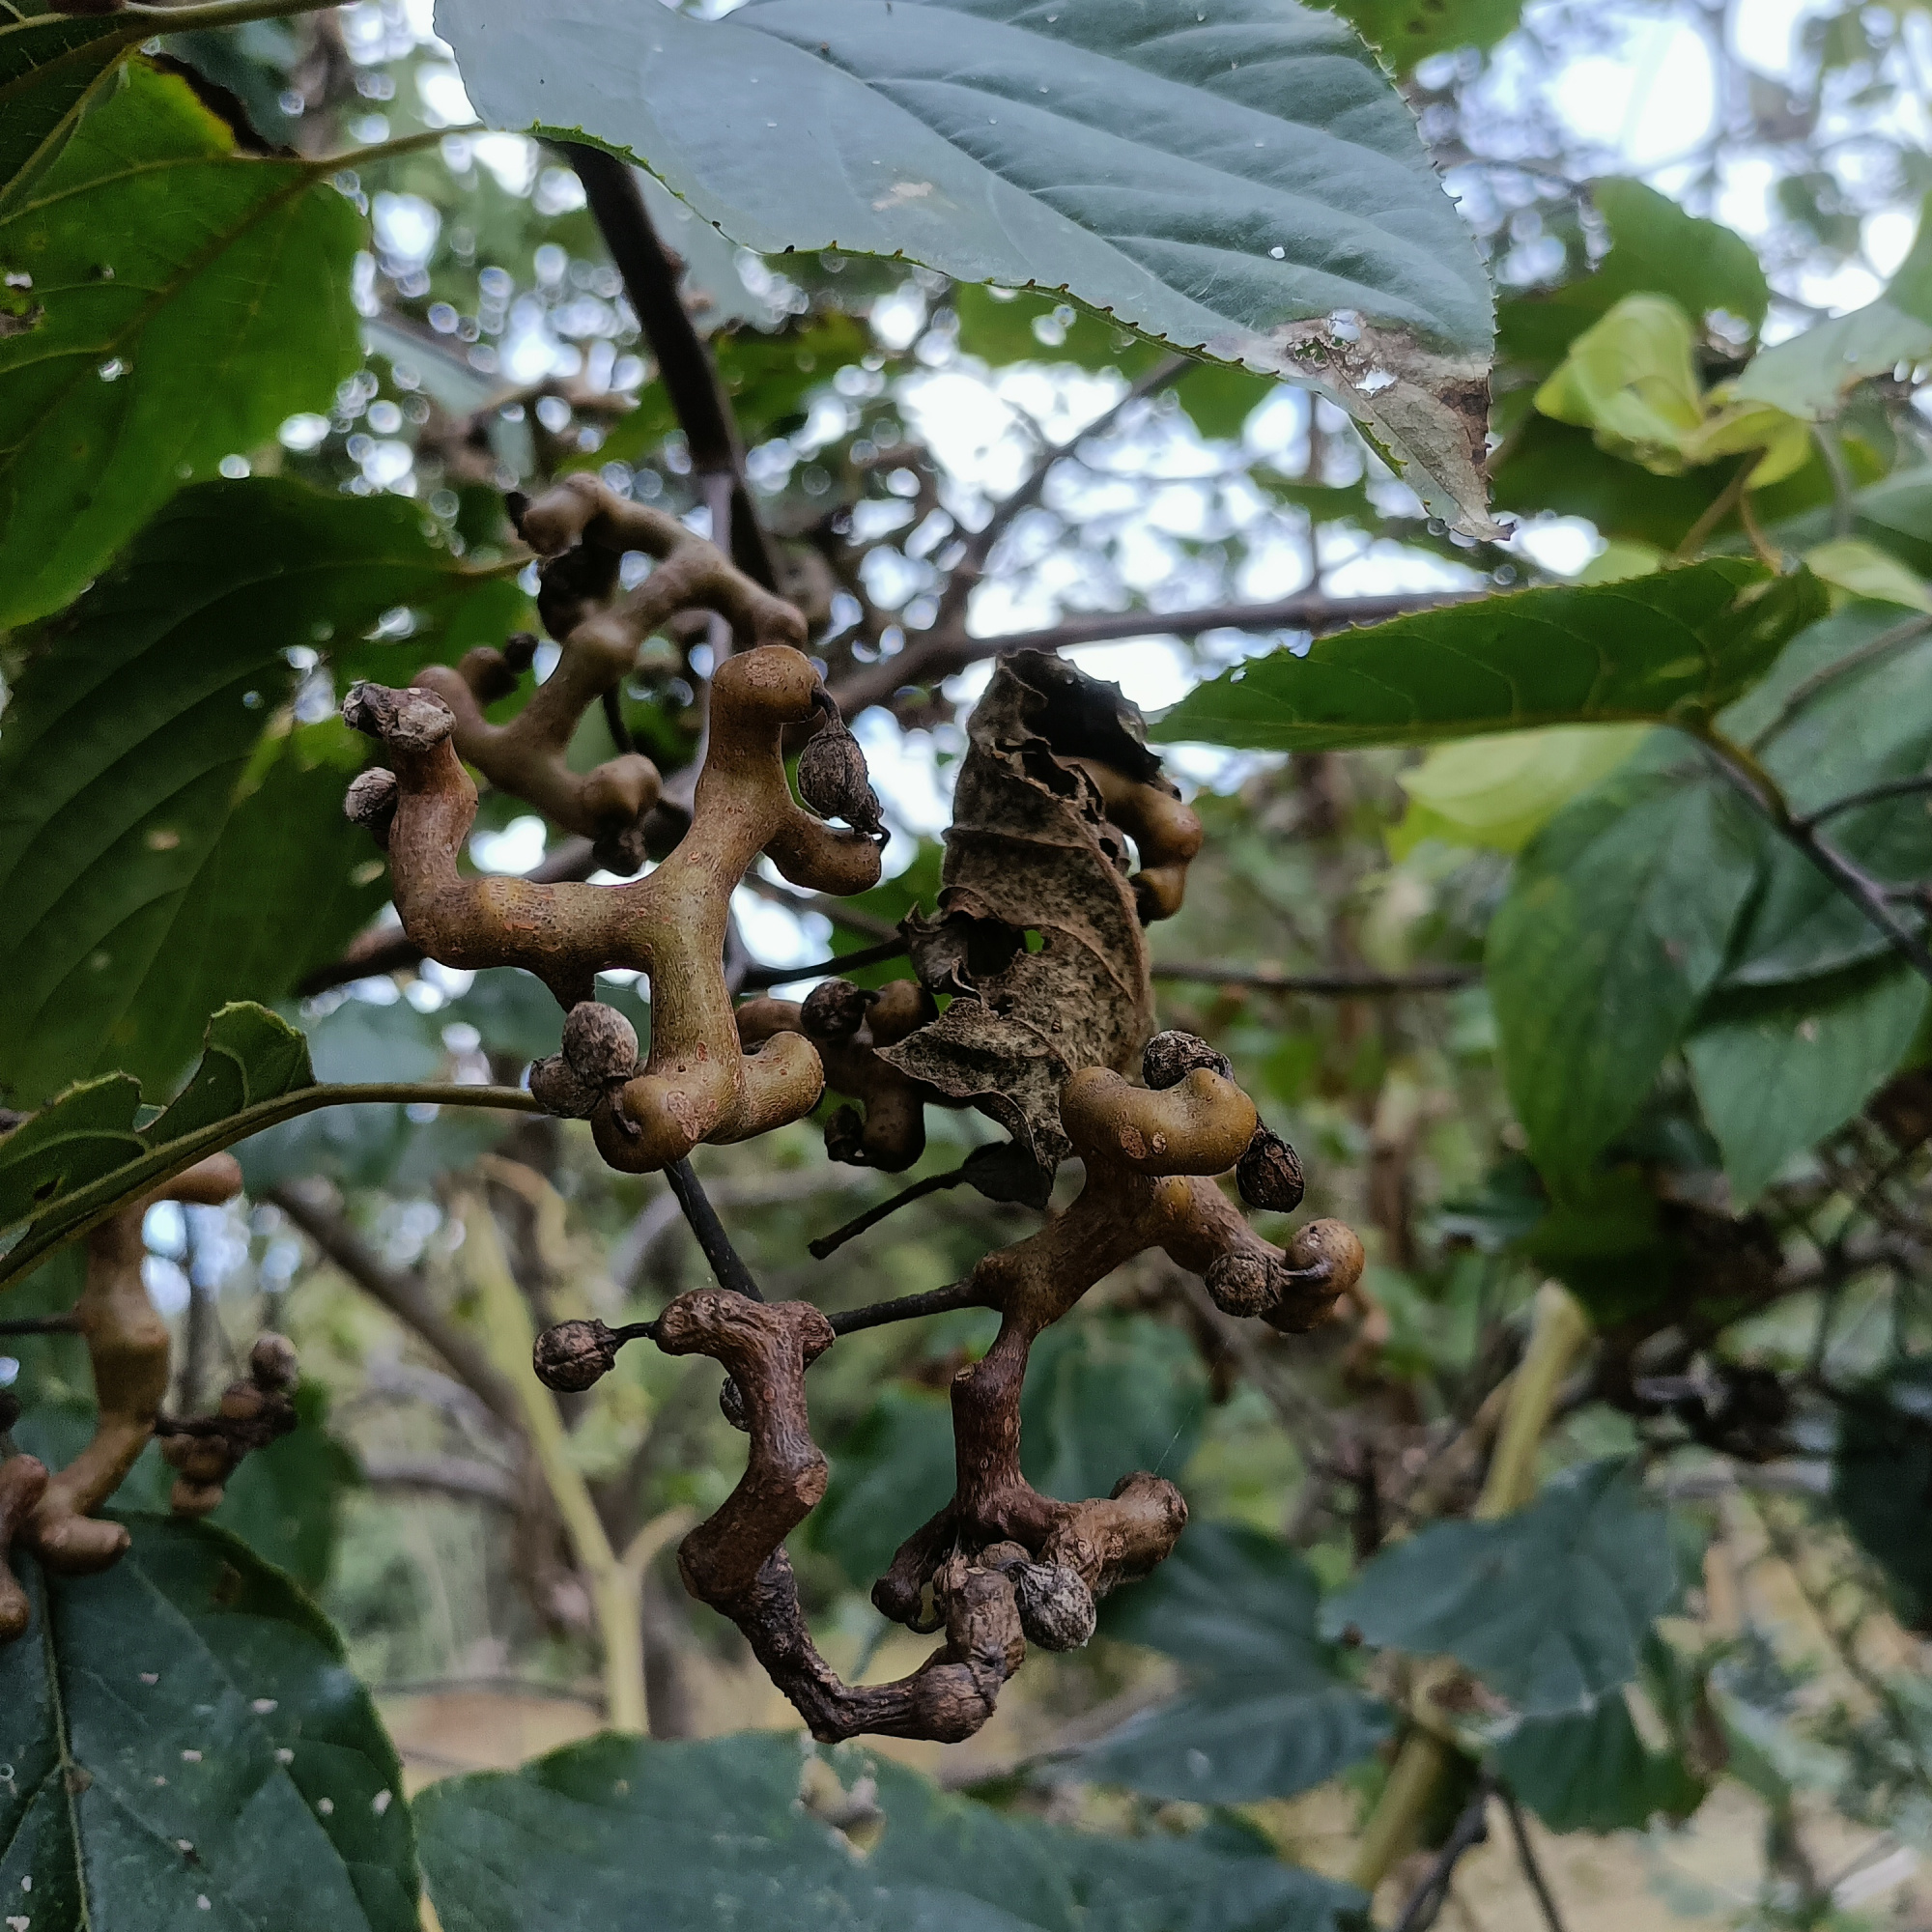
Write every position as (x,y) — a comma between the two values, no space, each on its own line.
(600,1043)
(573,1357)
(557,1087)
(272,1362)
(371,801)
(833,780)
(845,1137)
(731,1406)
(1054,1604)
(1270,1174)
(1168,1058)
(1239,1284)
(836,1010)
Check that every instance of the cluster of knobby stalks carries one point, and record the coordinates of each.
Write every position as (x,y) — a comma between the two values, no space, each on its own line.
(54,1515)
(1031,1003)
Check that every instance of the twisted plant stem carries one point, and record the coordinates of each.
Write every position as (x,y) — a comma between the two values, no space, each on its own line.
(934,1183)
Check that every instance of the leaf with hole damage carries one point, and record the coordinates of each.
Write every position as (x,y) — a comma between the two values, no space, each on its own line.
(685,1838)
(187,1747)
(1548,1606)
(1677,644)
(188,300)
(1264,1713)
(158,855)
(1236,177)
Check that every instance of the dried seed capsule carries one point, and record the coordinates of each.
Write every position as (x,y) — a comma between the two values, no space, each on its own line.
(1241,1284)
(845,1137)
(833,780)
(1270,1174)
(574,1355)
(600,1043)
(836,1010)
(371,801)
(1056,1607)
(1168,1058)
(519,650)
(272,1362)
(731,1406)
(412,719)
(557,1087)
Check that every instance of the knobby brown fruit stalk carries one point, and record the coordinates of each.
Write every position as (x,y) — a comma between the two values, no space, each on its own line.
(1033,1004)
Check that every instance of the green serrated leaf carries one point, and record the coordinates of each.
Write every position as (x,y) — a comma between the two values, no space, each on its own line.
(1618,921)
(188,299)
(1231,181)
(1266,1714)
(1676,645)
(158,857)
(558,1845)
(1549,1606)
(186,1748)
(1408,31)
(1778,1068)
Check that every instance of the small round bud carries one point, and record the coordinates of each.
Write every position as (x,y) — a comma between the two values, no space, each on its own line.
(1168,1058)
(196,1499)
(833,780)
(1054,1604)
(731,1406)
(600,1043)
(835,1009)
(1239,1284)
(519,650)
(557,1087)
(244,1403)
(1270,1174)
(622,851)
(574,1355)
(371,801)
(272,1362)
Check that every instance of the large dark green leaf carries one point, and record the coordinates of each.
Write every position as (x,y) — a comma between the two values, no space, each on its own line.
(1882,1480)
(1264,1714)
(1778,1067)
(1593,1772)
(188,300)
(186,1748)
(891,1472)
(1234,177)
(1547,1606)
(1106,1395)
(1616,924)
(690,1838)
(158,857)
(1678,644)
(51,70)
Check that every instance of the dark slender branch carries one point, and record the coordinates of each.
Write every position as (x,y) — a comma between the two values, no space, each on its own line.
(42,1325)
(937,655)
(614,721)
(979,546)
(908,1308)
(1344,985)
(1531,1871)
(1871,897)
(1871,795)
(726,1263)
(1426,1899)
(757,978)
(683,364)
(934,1183)
(406,1297)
